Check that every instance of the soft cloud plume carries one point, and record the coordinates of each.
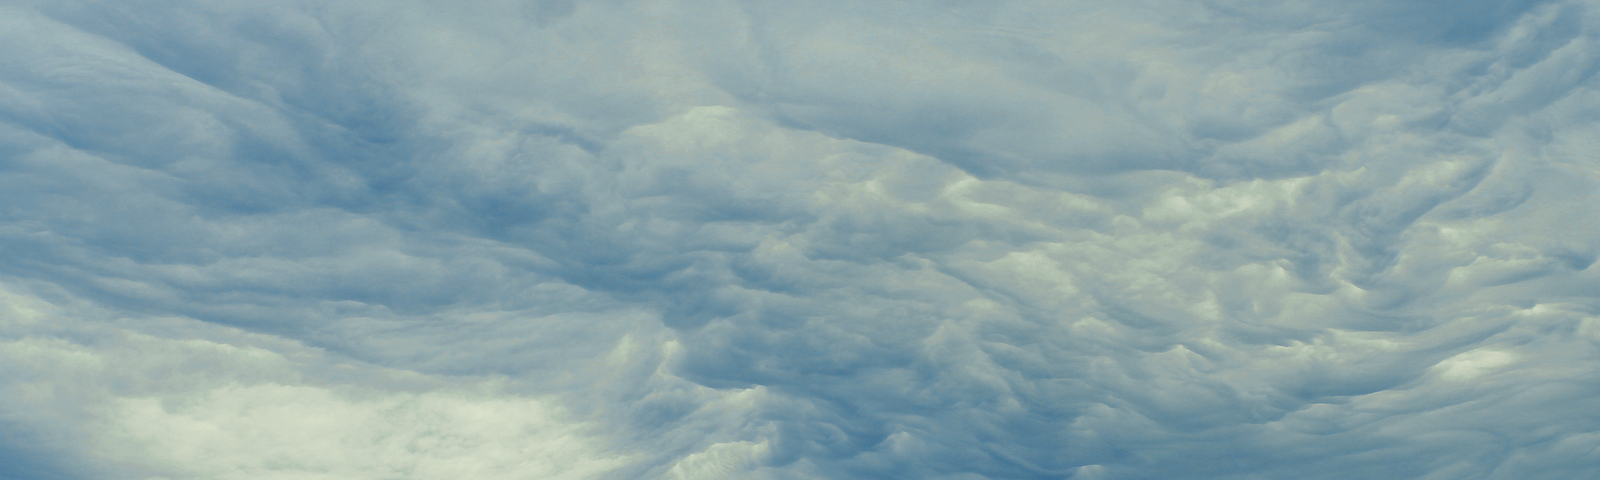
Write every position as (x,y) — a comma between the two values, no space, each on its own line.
(115,401)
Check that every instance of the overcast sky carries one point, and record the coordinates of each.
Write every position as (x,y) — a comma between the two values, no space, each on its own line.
(826,239)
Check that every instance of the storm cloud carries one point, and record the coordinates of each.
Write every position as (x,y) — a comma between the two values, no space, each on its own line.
(793,240)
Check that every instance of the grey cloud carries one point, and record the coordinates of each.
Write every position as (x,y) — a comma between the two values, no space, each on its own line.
(822,240)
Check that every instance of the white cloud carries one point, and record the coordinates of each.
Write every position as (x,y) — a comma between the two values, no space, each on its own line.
(153,407)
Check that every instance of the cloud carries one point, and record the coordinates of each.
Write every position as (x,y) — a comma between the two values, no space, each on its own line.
(731,239)
(138,405)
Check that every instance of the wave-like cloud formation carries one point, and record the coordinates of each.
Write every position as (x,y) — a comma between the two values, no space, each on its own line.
(748,239)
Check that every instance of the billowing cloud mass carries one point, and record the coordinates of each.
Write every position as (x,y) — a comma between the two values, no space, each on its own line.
(730,239)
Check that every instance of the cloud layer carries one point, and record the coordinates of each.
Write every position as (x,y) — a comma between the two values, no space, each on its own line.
(726,239)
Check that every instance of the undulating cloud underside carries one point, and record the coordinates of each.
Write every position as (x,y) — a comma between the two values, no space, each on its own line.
(726,239)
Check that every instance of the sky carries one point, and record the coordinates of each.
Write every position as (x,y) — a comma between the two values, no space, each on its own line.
(753,239)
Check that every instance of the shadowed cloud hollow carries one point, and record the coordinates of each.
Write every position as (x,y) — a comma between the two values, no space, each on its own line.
(805,240)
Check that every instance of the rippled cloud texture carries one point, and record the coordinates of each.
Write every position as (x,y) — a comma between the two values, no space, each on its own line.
(546,239)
